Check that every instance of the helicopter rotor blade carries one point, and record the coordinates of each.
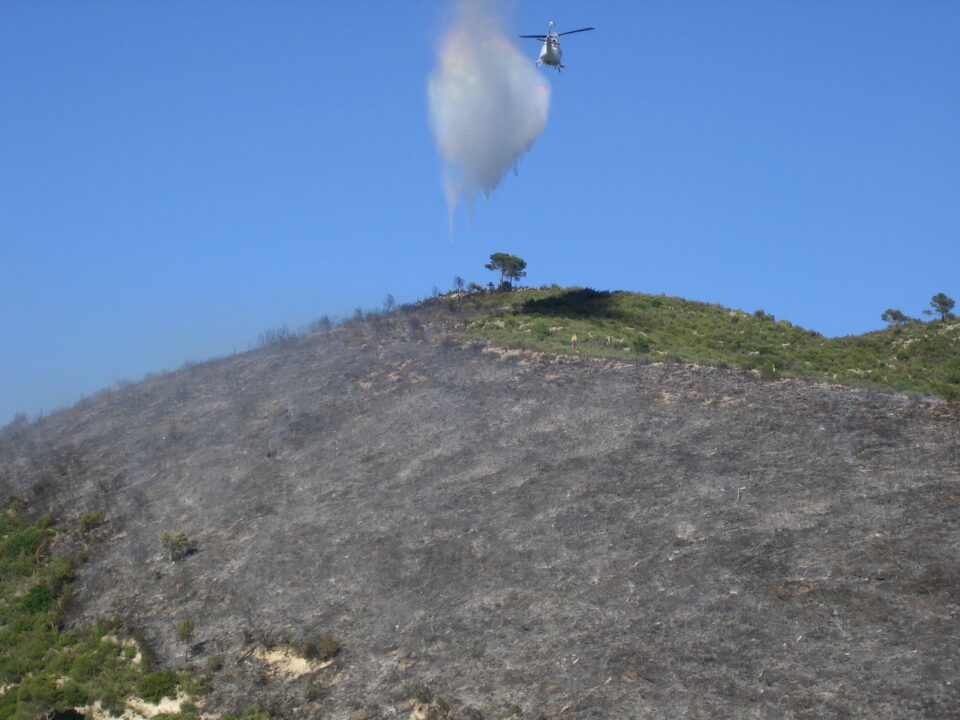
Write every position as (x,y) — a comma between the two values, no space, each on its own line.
(541,38)
(570,32)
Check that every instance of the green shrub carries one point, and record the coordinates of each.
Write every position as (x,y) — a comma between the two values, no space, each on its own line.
(185,630)
(84,667)
(329,647)
(178,545)
(155,686)
(113,703)
(189,707)
(89,521)
(949,392)
(23,542)
(541,331)
(38,599)
(40,694)
(325,648)
(74,695)
(15,505)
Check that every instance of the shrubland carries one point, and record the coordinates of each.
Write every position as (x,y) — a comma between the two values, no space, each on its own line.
(921,357)
(47,668)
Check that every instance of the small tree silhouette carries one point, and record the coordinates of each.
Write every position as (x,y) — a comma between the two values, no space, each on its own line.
(458,283)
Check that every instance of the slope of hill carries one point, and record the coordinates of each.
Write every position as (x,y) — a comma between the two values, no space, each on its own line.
(515,531)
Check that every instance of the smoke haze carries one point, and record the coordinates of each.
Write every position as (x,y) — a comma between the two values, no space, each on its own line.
(487,103)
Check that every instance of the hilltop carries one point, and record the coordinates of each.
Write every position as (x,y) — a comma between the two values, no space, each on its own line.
(450,510)
(913,356)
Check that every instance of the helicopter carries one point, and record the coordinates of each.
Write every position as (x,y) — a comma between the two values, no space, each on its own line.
(550,53)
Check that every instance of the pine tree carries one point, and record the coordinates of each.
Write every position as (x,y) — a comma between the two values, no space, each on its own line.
(942,304)
(510,267)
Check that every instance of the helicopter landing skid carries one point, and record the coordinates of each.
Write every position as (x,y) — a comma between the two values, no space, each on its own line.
(540,64)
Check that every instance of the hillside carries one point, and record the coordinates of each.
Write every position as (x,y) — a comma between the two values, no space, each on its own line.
(496,532)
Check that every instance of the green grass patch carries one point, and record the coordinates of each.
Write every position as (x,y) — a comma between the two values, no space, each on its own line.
(919,357)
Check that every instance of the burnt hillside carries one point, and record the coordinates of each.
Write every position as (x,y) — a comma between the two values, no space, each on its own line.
(513,531)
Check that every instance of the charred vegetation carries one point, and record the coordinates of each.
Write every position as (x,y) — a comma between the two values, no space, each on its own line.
(394,516)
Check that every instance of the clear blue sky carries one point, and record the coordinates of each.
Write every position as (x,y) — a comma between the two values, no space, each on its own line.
(176,177)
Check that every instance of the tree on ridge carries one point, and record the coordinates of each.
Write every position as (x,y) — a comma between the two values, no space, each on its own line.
(510,267)
(894,317)
(942,304)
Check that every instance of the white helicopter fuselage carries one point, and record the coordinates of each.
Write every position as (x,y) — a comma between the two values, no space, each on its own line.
(550,53)
(550,50)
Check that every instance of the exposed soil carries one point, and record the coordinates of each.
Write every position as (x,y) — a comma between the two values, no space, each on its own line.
(512,531)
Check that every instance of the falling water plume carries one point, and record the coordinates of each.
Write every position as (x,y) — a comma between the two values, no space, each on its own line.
(488,104)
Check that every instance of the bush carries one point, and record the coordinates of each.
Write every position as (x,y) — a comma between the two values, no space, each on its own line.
(39,694)
(23,542)
(949,392)
(214,664)
(185,630)
(89,521)
(62,573)
(155,686)
(38,599)
(84,667)
(178,545)
(321,324)
(326,648)
(272,336)
(329,647)
(74,695)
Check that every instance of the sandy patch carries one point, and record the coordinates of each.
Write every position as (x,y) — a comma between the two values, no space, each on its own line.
(137,708)
(286,662)
(148,709)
